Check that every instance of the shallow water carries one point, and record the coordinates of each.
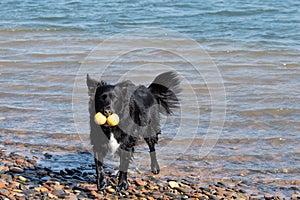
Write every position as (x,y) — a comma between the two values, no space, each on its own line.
(255,46)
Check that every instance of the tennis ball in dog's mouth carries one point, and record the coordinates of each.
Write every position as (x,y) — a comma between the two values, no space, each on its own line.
(113,120)
(99,118)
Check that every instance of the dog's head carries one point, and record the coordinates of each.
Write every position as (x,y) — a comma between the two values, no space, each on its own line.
(109,99)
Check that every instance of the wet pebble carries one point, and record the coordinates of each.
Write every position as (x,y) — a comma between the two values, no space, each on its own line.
(47,155)
(21,178)
(38,182)
(268,197)
(45,178)
(16,169)
(110,190)
(4,192)
(140,182)
(59,193)
(173,184)
(182,190)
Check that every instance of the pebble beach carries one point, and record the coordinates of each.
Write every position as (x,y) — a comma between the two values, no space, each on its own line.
(22,178)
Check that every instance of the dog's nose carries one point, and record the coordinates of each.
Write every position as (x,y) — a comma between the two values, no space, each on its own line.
(107,112)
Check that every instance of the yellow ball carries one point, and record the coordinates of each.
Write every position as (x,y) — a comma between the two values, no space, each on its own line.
(99,118)
(113,120)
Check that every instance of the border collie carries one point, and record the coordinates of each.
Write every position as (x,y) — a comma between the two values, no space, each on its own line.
(138,108)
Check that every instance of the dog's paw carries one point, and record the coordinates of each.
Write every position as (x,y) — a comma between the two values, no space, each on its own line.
(123,183)
(122,186)
(101,184)
(155,168)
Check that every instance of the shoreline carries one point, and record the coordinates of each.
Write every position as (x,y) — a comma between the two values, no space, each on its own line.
(23,178)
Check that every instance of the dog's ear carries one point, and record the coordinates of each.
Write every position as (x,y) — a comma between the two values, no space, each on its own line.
(92,84)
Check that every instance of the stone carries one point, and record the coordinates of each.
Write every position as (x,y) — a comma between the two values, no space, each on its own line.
(253,197)
(45,178)
(44,189)
(4,192)
(59,193)
(47,155)
(242,191)
(16,169)
(140,182)
(3,184)
(52,196)
(285,171)
(23,179)
(110,190)
(173,184)
(182,190)
(91,188)
(17,190)
(42,172)
(268,197)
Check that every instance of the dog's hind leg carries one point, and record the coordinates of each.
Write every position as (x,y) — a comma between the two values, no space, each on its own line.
(151,141)
(100,173)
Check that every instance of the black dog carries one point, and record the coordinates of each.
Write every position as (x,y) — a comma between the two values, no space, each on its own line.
(138,108)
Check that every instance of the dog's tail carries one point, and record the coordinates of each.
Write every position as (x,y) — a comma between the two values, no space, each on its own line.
(165,89)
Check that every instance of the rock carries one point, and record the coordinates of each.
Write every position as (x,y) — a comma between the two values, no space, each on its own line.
(268,197)
(69,171)
(295,196)
(110,190)
(294,188)
(52,196)
(212,197)
(242,191)
(173,184)
(47,155)
(45,178)
(29,192)
(4,192)
(77,177)
(140,182)
(44,189)
(91,188)
(75,187)
(73,196)
(17,190)
(59,193)
(182,190)
(47,187)
(77,191)
(221,184)
(6,177)
(16,169)
(23,179)
(253,197)
(3,184)
(42,172)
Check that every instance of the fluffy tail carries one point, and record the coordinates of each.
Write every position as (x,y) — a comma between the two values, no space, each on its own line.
(165,89)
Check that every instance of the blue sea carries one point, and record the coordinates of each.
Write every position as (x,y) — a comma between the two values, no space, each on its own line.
(253,45)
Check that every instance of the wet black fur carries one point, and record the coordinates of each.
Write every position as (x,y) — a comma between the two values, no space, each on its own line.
(139,109)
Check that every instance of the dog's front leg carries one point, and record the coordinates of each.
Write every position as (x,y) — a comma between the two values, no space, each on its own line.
(151,141)
(100,173)
(125,157)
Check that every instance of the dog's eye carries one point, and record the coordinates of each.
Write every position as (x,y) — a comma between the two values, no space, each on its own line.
(103,97)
